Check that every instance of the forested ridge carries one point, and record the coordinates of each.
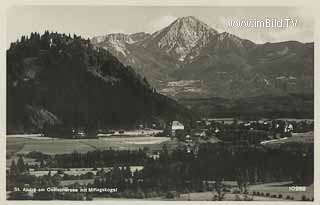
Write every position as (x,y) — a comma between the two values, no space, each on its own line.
(56,79)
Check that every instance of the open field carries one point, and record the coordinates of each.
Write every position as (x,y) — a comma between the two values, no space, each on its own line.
(275,188)
(306,138)
(198,196)
(282,188)
(208,196)
(77,171)
(79,181)
(16,145)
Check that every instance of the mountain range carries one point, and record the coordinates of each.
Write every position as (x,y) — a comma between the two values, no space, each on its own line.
(188,60)
(121,80)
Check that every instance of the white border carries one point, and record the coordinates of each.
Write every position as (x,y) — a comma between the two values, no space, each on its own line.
(6,4)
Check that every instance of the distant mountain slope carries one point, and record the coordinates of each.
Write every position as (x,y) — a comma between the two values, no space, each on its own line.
(222,64)
(58,80)
(287,106)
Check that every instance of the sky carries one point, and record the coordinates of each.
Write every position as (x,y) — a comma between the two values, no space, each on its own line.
(90,21)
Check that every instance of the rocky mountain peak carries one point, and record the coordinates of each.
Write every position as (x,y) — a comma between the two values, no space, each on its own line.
(180,37)
(120,38)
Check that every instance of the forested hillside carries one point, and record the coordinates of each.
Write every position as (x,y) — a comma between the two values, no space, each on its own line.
(58,80)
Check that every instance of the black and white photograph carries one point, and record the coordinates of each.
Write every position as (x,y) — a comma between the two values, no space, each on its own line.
(159,103)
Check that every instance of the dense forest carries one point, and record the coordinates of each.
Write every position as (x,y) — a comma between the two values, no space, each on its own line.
(55,79)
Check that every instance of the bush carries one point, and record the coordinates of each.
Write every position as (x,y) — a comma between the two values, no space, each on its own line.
(288,197)
(60,171)
(247,198)
(235,191)
(274,196)
(169,195)
(280,196)
(225,190)
(253,193)
(140,195)
(267,194)
(89,197)
(303,198)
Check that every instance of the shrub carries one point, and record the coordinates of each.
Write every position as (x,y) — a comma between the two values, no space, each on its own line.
(215,197)
(247,198)
(225,190)
(280,196)
(89,197)
(169,195)
(267,194)
(303,198)
(235,191)
(288,197)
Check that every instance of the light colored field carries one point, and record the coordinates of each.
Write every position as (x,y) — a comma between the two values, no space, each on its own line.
(53,172)
(30,136)
(296,119)
(208,196)
(30,161)
(55,146)
(60,146)
(282,188)
(307,137)
(79,181)
(77,171)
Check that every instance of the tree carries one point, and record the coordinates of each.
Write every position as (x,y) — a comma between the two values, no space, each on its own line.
(21,166)
(218,189)
(13,169)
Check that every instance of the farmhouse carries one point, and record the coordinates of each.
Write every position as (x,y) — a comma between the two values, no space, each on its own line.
(176,125)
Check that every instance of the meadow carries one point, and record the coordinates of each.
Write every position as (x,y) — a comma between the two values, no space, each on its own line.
(52,146)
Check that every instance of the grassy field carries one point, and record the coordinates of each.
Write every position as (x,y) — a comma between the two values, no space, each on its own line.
(208,196)
(79,181)
(275,188)
(303,138)
(16,145)
(282,188)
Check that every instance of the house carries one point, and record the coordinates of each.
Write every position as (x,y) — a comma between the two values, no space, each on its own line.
(176,125)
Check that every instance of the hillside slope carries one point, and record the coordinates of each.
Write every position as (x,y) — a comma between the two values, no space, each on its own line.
(59,80)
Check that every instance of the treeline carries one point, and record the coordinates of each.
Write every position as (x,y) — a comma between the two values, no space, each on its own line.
(184,172)
(96,159)
(247,164)
(219,161)
(91,159)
